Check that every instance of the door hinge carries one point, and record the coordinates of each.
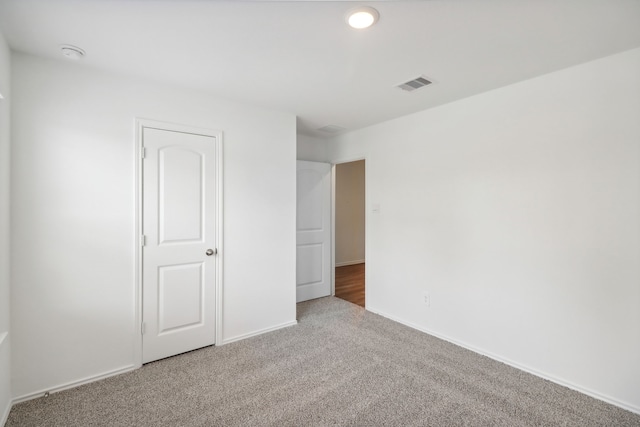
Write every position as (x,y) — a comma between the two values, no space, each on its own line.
(143,240)
(144,328)
(143,152)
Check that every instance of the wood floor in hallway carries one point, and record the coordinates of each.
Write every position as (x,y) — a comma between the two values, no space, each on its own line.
(350,283)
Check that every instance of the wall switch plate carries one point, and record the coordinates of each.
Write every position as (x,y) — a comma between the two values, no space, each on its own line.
(426,298)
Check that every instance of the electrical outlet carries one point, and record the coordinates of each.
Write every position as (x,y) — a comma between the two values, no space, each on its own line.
(426,298)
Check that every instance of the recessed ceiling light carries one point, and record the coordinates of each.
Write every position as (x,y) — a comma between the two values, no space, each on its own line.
(72,52)
(362,17)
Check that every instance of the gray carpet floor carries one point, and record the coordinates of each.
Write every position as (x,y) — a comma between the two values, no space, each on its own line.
(340,366)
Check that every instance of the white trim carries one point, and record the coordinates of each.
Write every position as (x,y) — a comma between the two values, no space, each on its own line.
(333,230)
(560,381)
(137,325)
(176,127)
(73,384)
(141,123)
(3,336)
(260,332)
(219,339)
(5,415)
(344,264)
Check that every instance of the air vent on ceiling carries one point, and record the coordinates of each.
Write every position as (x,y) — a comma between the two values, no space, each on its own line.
(331,129)
(415,84)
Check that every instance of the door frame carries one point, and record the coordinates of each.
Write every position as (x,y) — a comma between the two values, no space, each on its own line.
(334,163)
(141,123)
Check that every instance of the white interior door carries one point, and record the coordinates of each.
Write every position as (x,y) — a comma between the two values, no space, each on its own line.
(179,253)
(313,242)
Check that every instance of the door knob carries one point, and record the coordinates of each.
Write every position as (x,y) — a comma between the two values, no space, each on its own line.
(211,252)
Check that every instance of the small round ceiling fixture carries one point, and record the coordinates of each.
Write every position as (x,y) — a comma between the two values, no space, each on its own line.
(72,52)
(362,17)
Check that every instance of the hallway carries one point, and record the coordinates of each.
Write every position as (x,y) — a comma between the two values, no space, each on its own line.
(350,283)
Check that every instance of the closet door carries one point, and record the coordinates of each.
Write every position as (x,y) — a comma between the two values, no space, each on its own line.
(179,252)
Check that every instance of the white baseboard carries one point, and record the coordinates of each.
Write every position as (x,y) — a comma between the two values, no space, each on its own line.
(73,384)
(345,263)
(560,381)
(259,332)
(5,415)
(124,369)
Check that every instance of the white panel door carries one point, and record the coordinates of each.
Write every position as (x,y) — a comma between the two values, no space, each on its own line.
(313,242)
(179,225)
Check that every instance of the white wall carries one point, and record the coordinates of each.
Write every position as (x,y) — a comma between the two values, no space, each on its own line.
(5,378)
(519,211)
(73,216)
(311,148)
(350,224)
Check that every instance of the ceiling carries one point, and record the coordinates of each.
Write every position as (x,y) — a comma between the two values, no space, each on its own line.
(301,57)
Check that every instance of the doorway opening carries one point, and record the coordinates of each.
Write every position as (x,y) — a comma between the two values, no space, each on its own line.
(349,232)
